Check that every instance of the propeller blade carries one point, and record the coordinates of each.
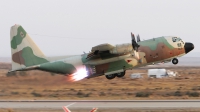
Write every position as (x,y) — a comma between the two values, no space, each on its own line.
(133,37)
(134,43)
(138,38)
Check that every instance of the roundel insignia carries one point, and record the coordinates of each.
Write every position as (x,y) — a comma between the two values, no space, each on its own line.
(22,34)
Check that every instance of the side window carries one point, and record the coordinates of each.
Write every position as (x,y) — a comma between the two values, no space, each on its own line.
(182,42)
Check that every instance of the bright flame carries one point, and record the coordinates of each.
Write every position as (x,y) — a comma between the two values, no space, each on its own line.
(79,75)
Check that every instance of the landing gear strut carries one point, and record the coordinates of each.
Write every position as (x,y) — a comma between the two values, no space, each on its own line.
(175,61)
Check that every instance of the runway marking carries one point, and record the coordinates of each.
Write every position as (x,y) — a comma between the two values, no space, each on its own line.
(70,104)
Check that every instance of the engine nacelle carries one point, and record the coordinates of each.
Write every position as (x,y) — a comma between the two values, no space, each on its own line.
(121,49)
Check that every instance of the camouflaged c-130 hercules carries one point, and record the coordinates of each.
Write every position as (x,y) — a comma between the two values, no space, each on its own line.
(104,59)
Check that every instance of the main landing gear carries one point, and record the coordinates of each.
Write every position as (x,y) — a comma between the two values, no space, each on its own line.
(112,76)
(175,61)
(121,74)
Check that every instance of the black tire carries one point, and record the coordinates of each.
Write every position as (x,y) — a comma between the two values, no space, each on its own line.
(175,61)
(111,76)
(121,74)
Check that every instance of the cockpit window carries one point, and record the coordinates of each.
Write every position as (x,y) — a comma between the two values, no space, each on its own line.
(176,39)
(182,42)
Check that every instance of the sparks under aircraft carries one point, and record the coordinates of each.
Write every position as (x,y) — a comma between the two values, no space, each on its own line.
(104,59)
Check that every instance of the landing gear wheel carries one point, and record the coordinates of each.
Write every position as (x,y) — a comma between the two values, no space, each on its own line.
(175,61)
(121,74)
(111,76)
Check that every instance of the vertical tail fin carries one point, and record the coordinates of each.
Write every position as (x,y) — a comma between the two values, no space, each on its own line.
(24,51)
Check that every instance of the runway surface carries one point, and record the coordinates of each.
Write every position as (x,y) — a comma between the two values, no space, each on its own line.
(144,104)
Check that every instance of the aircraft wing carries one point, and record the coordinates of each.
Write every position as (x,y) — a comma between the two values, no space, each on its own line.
(99,49)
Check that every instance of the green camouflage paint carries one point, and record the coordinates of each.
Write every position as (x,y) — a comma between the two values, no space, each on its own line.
(118,65)
(21,33)
(31,59)
(152,43)
(58,67)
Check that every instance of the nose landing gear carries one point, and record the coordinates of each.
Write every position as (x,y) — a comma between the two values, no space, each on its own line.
(175,61)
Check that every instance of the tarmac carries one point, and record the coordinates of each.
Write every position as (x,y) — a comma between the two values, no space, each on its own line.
(105,104)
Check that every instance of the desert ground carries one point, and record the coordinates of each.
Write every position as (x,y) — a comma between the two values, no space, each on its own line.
(39,85)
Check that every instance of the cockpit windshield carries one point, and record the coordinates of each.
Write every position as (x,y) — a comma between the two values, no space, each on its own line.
(176,39)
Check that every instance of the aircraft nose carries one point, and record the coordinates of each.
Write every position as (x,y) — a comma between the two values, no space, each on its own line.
(188,47)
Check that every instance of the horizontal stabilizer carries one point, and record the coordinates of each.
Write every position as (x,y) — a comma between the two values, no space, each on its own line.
(25,69)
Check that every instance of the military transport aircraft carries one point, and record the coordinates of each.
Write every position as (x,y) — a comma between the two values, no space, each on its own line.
(104,59)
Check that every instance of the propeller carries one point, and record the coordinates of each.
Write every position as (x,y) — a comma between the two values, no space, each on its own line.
(134,43)
(135,46)
(138,38)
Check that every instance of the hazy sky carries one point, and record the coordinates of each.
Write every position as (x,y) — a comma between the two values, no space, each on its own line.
(65,27)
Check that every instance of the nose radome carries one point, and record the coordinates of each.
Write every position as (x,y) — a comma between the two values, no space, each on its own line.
(188,47)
